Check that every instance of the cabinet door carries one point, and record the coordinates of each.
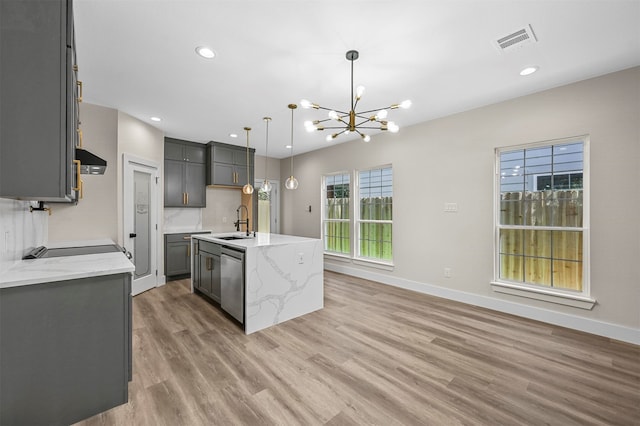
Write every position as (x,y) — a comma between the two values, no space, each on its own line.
(205,269)
(221,154)
(215,278)
(174,183)
(173,151)
(223,174)
(195,154)
(177,258)
(36,84)
(240,157)
(195,184)
(241,173)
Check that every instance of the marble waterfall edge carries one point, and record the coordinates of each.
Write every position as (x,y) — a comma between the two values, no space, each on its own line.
(282,282)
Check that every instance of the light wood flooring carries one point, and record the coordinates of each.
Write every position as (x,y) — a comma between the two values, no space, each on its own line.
(374,355)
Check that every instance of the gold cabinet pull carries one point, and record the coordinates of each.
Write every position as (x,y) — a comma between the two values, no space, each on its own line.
(189,250)
(81,189)
(77,187)
(79,91)
(209,263)
(184,198)
(79,130)
(188,238)
(187,194)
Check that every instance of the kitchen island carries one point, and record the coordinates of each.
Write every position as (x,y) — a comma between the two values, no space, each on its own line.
(281,276)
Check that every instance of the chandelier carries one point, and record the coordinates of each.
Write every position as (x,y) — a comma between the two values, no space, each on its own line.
(353,121)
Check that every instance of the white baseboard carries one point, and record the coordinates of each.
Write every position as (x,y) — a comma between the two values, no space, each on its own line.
(600,328)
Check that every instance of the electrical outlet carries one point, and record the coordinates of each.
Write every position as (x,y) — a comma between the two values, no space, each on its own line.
(451,207)
(447,272)
(300,258)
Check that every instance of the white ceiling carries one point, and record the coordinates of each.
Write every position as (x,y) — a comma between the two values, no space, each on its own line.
(139,56)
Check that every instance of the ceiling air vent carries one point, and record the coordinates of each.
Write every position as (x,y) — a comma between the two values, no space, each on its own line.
(517,39)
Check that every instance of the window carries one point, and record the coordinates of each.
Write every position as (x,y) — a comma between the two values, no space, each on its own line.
(336,222)
(375,214)
(372,218)
(541,229)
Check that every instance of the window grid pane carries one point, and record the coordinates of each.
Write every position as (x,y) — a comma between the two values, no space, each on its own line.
(336,226)
(375,195)
(542,186)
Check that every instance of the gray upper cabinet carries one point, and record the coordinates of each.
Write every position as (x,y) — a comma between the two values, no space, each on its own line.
(39,95)
(228,165)
(185,174)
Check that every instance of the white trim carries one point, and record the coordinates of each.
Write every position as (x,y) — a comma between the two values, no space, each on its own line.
(600,328)
(576,301)
(129,162)
(585,293)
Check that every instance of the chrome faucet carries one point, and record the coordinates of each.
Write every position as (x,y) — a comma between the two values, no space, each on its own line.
(239,222)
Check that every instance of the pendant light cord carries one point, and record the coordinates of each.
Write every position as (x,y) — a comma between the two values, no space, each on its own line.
(291,141)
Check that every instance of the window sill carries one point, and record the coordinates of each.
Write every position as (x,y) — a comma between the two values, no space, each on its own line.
(357,261)
(373,263)
(338,257)
(545,295)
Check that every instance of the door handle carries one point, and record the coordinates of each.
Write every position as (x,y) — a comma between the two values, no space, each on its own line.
(132,235)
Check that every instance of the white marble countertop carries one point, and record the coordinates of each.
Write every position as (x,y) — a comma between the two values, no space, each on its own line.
(261,239)
(185,231)
(37,271)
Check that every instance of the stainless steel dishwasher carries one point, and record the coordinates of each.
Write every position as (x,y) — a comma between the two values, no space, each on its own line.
(232,282)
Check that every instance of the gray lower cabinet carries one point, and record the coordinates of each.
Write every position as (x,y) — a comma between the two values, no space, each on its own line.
(39,95)
(177,254)
(65,349)
(207,276)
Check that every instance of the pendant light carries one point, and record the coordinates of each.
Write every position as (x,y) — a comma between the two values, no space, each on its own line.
(247,189)
(291,182)
(266,185)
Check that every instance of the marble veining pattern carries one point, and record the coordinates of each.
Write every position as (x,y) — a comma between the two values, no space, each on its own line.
(182,220)
(20,230)
(278,287)
(37,271)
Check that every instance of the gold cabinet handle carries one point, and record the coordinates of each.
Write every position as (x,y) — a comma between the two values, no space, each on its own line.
(188,238)
(187,194)
(184,198)
(79,91)
(77,188)
(189,250)
(208,263)
(79,130)
(81,189)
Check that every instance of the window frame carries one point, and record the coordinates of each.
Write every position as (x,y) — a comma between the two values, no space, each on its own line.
(323,214)
(580,299)
(357,220)
(354,219)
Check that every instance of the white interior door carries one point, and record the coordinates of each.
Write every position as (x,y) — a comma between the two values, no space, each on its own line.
(141,220)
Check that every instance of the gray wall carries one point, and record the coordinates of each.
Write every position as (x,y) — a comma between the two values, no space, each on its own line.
(452,159)
(95,216)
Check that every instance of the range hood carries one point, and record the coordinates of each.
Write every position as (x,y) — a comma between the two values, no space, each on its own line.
(90,164)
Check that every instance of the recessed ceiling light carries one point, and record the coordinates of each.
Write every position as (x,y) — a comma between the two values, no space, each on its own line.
(156,119)
(528,70)
(205,52)
(233,135)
